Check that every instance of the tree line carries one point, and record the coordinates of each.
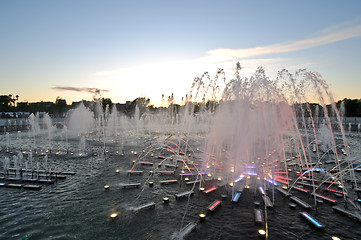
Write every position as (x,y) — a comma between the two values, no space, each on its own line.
(351,107)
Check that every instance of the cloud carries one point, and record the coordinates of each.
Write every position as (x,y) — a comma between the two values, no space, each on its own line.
(227,57)
(79,89)
(227,54)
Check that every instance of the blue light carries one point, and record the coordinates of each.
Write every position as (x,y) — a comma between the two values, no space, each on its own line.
(235,197)
(311,219)
(238,179)
(358,200)
(269,180)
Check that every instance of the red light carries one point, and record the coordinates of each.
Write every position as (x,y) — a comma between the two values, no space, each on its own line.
(210,190)
(336,191)
(325,198)
(213,205)
(301,189)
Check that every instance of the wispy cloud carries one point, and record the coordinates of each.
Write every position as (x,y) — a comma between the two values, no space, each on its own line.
(327,37)
(80,89)
(251,57)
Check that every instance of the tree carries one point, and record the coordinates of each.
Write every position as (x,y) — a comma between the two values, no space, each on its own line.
(5,103)
(60,105)
(142,104)
(105,102)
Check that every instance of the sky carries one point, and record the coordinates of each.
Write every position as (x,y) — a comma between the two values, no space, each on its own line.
(130,49)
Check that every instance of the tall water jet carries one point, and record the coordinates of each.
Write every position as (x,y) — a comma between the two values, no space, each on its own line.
(7,142)
(33,122)
(48,125)
(80,121)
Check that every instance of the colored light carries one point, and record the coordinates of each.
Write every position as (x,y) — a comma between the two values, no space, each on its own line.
(358,200)
(236,196)
(311,219)
(261,190)
(238,179)
(210,190)
(301,189)
(325,198)
(273,182)
(336,191)
(214,205)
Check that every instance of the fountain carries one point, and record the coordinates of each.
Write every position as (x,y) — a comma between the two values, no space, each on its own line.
(246,141)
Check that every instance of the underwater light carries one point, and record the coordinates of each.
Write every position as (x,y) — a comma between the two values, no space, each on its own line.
(261,232)
(210,189)
(238,179)
(202,217)
(261,190)
(311,219)
(214,205)
(113,215)
(236,197)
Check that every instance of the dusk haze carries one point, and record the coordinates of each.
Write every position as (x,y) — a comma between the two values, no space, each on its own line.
(130,49)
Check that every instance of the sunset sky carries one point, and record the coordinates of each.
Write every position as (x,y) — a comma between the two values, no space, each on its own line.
(129,49)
